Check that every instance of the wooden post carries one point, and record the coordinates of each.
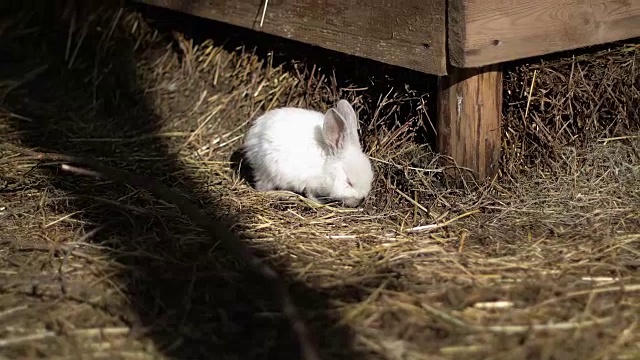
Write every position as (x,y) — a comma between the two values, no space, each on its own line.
(469,118)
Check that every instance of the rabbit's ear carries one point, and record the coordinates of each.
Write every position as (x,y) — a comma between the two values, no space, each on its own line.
(334,130)
(349,116)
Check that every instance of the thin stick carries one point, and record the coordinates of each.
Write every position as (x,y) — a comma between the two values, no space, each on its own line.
(264,12)
(93,332)
(509,329)
(72,27)
(85,29)
(26,338)
(533,81)
(81,171)
(606,140)
(437,226)
(415,203)
(216,230)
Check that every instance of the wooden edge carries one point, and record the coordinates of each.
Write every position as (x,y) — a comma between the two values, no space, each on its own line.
(456,32)
(398,36)
(487,32)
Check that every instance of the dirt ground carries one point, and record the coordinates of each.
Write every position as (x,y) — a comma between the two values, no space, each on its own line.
(541,262)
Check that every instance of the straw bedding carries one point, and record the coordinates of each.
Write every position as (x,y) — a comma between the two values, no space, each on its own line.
(539,263)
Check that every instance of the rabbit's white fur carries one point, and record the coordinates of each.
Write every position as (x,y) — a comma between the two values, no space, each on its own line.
(305,151)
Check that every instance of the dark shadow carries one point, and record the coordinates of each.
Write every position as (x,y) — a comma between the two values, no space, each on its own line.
(243,169)
(196,301)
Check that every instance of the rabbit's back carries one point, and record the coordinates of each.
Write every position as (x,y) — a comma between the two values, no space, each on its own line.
(283,150)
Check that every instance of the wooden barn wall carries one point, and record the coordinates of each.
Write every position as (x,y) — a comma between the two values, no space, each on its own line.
(406,33)
(483,32)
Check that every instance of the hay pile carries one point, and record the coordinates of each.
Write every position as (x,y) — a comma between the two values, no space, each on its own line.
(541,263)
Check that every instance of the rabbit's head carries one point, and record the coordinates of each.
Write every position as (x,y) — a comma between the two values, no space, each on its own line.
(347,170)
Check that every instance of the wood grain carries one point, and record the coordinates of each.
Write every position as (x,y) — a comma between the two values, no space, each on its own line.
(409,33)
(483,32)
(469,118)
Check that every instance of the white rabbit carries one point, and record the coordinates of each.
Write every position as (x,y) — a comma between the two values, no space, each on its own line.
(305,151)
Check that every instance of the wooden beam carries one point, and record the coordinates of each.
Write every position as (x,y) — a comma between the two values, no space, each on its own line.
(469,118)
(483,32)
(407,33)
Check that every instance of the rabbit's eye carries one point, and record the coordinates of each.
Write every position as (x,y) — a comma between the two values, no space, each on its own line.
(349,183)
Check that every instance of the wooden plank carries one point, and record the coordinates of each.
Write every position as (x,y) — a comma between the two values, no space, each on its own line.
(483,32)
(469,118)
(409,33)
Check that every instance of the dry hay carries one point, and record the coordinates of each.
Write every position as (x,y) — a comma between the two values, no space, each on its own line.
(541,263)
